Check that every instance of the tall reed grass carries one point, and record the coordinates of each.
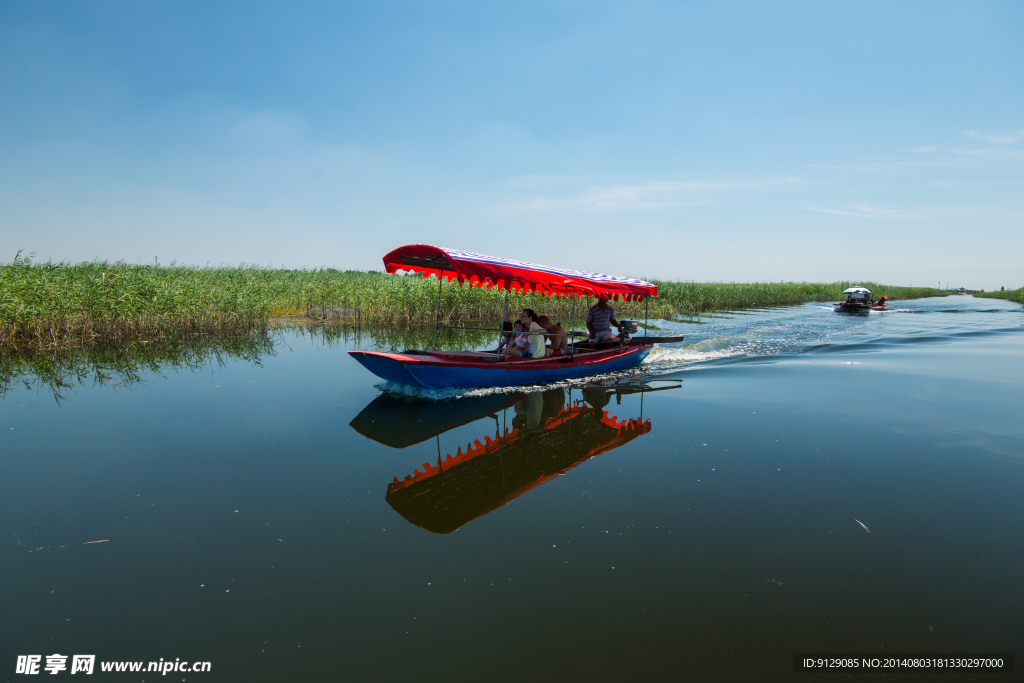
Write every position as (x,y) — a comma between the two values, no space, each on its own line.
(51,306)
(1010,295)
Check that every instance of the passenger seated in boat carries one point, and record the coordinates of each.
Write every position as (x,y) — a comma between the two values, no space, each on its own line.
(520,344)
(557,338)
(529,320)
(523,345)
(522,340)
(600,318)
(506,337)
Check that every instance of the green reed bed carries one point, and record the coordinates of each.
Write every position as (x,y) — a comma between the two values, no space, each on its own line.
(1010,295)
(45,306)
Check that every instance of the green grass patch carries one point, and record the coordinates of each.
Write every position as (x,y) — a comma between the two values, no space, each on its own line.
(1010,295)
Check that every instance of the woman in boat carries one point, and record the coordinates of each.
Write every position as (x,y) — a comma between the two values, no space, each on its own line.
(537,333)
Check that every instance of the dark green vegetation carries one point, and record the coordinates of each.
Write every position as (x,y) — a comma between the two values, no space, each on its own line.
(1010,295)
(46,306)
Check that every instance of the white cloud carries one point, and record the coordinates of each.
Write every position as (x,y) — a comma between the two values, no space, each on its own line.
(863,211)
(886,166)
(991,153)
(647,195)
(1007,139)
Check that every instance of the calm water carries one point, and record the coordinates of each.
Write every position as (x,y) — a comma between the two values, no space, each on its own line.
(285,520)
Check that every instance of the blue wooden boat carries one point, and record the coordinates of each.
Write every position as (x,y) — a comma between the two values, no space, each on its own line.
(440,369)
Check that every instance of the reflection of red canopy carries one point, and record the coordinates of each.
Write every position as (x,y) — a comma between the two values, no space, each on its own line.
(489,474)
(625,431)
(490,271)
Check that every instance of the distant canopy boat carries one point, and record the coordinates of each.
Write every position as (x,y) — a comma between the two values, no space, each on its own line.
(858,293)
(438,370)
(858,300)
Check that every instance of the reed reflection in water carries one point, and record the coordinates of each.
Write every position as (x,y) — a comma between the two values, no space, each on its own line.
(125,365)
(61,371)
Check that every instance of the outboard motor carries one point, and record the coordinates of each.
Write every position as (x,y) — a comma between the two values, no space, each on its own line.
(628,326)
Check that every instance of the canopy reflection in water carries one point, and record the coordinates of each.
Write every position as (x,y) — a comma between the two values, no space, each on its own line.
(547,438)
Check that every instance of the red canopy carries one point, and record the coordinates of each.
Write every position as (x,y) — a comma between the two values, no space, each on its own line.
(489,271)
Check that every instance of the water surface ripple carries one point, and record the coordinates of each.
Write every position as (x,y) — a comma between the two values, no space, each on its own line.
(816,328)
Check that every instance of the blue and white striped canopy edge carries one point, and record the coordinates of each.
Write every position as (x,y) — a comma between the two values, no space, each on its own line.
(461,255)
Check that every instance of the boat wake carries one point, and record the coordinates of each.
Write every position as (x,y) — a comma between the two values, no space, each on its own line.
(673,357)
(792,332)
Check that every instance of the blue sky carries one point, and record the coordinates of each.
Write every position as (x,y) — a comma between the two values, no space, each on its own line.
(707,141)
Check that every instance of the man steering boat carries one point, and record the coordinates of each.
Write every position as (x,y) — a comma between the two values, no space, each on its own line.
(600,318)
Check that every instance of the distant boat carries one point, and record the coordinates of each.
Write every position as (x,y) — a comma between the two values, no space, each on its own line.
(859,302)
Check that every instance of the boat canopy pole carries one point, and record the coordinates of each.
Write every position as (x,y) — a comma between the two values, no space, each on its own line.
(572,331)
(437,315)
(646,331)
(570,421)
(501,331)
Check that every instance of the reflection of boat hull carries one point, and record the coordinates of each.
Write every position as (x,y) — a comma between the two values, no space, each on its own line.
(439,370)
(399,422)
(855,308)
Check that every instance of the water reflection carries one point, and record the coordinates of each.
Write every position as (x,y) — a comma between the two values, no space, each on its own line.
(537,436)
(399,422)
(61,371)
(126,365)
